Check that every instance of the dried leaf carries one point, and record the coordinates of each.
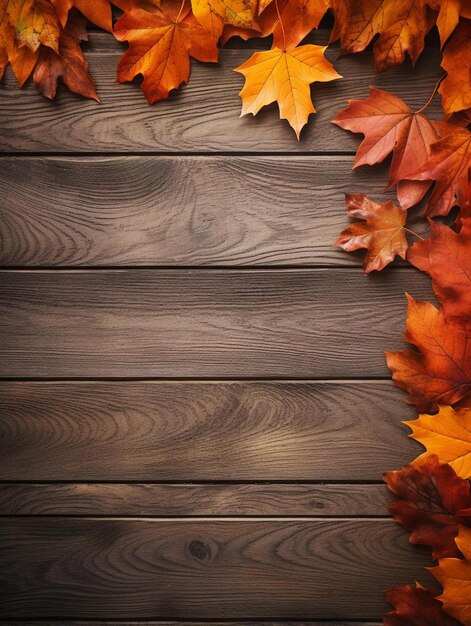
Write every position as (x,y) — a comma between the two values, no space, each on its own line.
(416,606)
(456,88)
(97,11)
(160,46)
(455,577)
(438,371)
(289,21)
(69,65)
(214,14)
(284,77)
(447,435)
(432,496)
(389,125)
(381,231)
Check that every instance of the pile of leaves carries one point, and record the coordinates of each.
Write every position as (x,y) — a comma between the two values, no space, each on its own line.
(429,158)
(42,38)
(430,166)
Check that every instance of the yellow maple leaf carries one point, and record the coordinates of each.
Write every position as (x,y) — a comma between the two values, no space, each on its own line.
(455,577)
(448,435)
(284,76)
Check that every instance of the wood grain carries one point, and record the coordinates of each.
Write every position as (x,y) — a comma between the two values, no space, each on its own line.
(202,323)
(181,500)
(151,431)
(183,623)
(204,116)
(178,210)
(164,569)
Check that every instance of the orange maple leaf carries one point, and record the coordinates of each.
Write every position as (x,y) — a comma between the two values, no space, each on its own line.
(446,434)
(401,25)
(439,370)
(381,231)
(213,15)
(160,47)
(449,165)
(446,257)
(284,76)
(455,577)
(35,23)
(456,88)
(69,64)
(289,21)
(431,499)
(449,12)
(97,11)
(389,125)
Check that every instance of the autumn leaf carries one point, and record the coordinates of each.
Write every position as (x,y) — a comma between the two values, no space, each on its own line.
(97,11)
(160,47)
(438,370)
(390,126)
(214,14)
(449,12)
(446,434)
(35,23)
(380,231)
(449,166)
(289,21)
(284,77)
(401,25)
(431,497)
(416,606)
(446,257)
(455,577)
(456,61)
(69,65)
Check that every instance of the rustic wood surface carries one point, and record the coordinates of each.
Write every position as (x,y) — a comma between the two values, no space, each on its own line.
(194,407)
(202,431)
(202,569)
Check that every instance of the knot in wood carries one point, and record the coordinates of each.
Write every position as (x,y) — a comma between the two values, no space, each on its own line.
(199,550)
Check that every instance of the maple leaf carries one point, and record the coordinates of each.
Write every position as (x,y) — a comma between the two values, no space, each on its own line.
(449,12)
(439,370)
(416,606)
(447,435)
(456,61)
(389,125)
(284,76)
(449,165)
(455,577)
(381,231)
(446,257)
(160,47)
(97,11)
(69,65)
(213,15)
(431,495)
(35,23)
(289,21)
(401,25)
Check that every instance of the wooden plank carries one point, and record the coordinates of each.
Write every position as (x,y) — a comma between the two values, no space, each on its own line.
(151,431)
(183,623)
(222,323)
(202,569)
(178,210)
(181,500)
(204,116)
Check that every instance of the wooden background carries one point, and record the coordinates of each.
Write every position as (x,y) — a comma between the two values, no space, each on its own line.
(195,408)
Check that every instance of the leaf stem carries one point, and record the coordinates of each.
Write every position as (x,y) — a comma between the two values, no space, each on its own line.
(408,230)
(281,24)
(433,93)
(180,11)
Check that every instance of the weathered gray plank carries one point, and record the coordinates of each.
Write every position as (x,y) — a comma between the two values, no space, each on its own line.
(183,500)
(242,569)
(178,210)
(204,116)
(150,431)
(324,323)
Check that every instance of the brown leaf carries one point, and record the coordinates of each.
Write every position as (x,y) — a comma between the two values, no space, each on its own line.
(456,88)
(438,371)
(69,65)
(431,495)
(97,11)
(381,231)
(416,606)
